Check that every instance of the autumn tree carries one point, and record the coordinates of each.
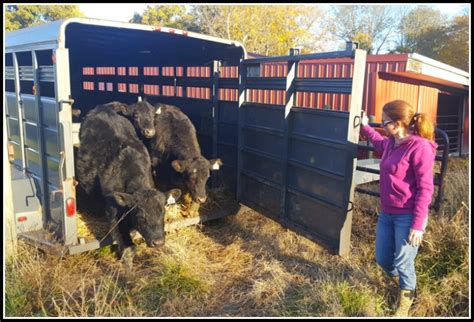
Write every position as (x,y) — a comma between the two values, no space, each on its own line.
(371,26)
(267,30)
(416,23)
(23,16)
(174,16)
(448,44)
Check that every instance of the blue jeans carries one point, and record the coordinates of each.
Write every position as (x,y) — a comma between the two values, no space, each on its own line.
(392,250)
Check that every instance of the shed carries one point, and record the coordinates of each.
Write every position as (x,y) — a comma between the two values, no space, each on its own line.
(430,86)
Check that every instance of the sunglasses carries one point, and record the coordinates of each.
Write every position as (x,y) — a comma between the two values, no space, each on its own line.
(385,123)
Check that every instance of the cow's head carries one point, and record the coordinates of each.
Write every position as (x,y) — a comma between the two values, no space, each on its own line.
(149,213)
(195,173)
(142,115)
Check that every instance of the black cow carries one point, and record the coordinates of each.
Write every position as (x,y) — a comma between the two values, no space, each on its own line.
(114,162)
(140,114)
(175,153)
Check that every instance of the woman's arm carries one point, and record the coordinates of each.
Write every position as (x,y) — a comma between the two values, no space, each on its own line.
(422,162)
(378,141)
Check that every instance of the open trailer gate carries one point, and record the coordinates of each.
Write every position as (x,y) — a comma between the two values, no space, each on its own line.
(296,165)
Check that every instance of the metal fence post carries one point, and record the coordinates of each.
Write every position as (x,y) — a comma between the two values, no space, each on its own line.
(352,141)
(215,114)
(289,102)
(242,97)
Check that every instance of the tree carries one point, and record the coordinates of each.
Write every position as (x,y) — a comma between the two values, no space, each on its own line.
(371,25)
(267,30)
(448,44)
(167,16)
(23,16)
(414,25)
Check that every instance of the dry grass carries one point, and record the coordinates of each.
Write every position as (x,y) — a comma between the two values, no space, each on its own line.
(248,265)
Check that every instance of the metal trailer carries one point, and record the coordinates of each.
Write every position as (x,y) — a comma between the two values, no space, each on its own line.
(294,165)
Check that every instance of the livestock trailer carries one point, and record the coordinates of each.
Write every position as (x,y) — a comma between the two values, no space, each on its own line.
(292,164)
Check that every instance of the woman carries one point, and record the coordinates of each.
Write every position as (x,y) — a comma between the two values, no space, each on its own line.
(406,189)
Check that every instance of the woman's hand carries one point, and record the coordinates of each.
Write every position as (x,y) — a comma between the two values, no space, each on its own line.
(365,119)
(415,237)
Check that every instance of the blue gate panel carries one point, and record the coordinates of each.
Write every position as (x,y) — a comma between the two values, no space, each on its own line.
(316,217)
(228,133)
(318,154)
(317,184)
(205,142)
(266,167)
(321,124)
(261,195)
(52,171)
(264,141)
(14,128)
(12,108)
(50,113)
(33,162)
(32,139)
(264,116)
(228,113)
(51,141)
(29,106)
(228,155)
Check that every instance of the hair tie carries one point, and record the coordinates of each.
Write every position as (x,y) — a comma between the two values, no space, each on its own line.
(415,118)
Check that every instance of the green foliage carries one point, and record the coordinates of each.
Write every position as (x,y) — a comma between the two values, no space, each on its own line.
(416,23)
(427,31)
(23,16)
(167,16)
(356,302)
(16,296)
(450,258)
(174,280)
(303,303)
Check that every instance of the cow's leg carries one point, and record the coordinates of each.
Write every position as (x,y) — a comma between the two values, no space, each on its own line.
(116,234)
(128,252)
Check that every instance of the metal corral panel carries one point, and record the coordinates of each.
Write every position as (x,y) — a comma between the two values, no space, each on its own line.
(296,165)
(330,68)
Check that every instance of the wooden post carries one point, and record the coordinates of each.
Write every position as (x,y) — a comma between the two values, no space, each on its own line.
(9,233)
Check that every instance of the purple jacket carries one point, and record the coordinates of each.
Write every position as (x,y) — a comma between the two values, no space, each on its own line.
(406,174)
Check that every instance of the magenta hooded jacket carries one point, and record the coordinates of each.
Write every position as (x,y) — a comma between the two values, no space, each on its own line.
(406,174)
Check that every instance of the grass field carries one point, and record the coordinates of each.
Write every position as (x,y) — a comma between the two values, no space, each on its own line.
(248,265)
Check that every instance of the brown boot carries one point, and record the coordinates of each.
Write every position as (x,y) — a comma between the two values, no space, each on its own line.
(405,302)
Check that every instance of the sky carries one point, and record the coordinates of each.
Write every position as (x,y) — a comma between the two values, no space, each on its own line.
(124,12)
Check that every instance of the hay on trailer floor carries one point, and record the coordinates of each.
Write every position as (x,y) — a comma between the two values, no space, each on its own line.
(92,225)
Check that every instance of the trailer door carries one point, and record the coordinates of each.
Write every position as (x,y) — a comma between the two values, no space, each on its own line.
(39,130)
(296,165)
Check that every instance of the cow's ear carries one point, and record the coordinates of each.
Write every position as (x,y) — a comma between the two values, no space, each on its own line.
(215,164)
(172,196)
(178,166)
(123,199)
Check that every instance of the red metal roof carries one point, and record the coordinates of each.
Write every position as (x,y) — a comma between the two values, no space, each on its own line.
(423,80)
